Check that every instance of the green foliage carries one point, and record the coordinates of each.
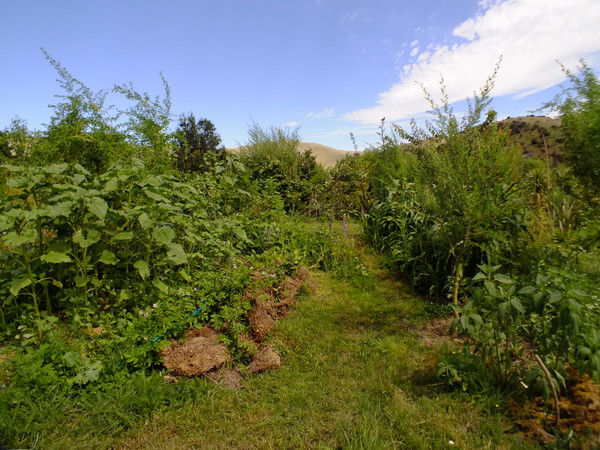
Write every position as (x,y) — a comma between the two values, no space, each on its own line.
(16,142)
(348,187)
(147,125)
(198,144)
(78,244)
(457,205)
(579,109)
(84,130)
(271,155)
(552,318)
(80,130)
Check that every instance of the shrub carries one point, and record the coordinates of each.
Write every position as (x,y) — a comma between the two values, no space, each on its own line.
(458,205)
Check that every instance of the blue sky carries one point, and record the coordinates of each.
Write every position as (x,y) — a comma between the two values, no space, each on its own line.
(330,67)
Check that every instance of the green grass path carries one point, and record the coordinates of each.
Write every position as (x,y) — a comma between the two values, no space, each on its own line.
(354,375)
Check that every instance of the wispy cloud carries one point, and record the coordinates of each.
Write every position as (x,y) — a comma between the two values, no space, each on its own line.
(292,123)
(327,112)
(529,35)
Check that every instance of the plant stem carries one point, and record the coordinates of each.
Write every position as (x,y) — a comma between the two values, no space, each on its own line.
(552,387)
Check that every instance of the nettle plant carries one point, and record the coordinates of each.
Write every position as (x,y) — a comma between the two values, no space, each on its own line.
(73,243)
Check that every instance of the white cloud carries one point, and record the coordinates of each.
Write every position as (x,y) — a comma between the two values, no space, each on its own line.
(530,35)
(292,123)
(485,4)
(327,112)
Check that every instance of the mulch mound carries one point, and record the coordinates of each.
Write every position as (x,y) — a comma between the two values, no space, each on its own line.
(227,378)
(265,359)
(200,353)
(579,411)
(272,304)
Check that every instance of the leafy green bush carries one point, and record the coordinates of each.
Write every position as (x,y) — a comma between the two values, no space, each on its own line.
(552,318)
(579,109)
(271,156)
(458,205)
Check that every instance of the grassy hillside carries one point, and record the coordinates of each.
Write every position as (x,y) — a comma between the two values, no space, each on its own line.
(535,135)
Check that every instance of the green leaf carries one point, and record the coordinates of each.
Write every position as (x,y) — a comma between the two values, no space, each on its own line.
(477,318)
(77,179)
(155,196)
(82,169)
(502,279)
(241,233)
(164,235)
(56,257)
(516,304)
(108,258)
(145,221)
(479,276)
(18,284)
(176,254)
(527,290)
(6,223)
(111,185)
(161,286)
(93,236)
(90,374)
(185,275)
(580,293)
(502,309)
(62,209)
(152,180)
(14,239)
(555,296)
(98,207)
(143,268)
(80,281)
(56,169)
(464,322)
(123,236)
(491,288)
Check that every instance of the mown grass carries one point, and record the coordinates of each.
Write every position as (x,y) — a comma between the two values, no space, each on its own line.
(354,376)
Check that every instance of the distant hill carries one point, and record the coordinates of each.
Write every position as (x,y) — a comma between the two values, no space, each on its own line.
(326,156)
(529,133)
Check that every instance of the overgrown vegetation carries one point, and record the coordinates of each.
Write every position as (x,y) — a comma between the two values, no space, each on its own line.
(468,218)
(119,234)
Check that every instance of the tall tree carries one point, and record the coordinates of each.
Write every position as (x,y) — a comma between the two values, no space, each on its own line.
(198,144)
